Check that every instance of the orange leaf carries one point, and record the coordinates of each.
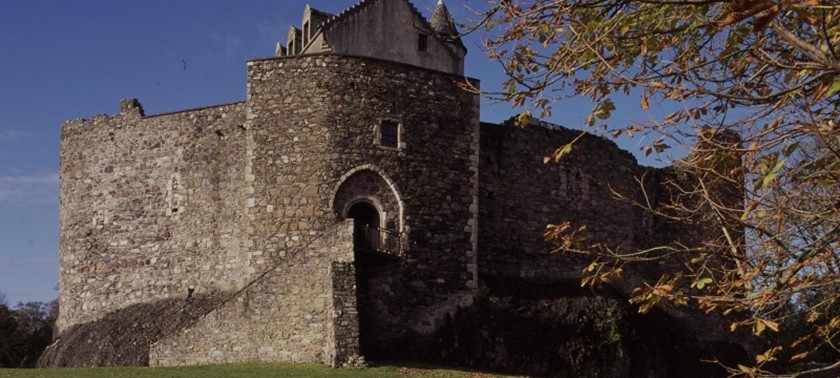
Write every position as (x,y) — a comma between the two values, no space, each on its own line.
(645,103)
(799,356)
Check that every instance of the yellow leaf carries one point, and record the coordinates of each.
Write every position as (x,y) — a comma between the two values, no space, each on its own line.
(645,103)
(745,369)
(768,355)
(758,327)
(800,341)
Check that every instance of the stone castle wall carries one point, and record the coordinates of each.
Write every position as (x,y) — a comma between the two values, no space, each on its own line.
(520,195)
(247,200)
(151,206)
(207,200)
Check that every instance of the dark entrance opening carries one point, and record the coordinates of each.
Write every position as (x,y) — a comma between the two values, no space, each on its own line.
(367,225)
(365,213)
(372,271)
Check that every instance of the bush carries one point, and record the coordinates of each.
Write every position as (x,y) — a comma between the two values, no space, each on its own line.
(25,331)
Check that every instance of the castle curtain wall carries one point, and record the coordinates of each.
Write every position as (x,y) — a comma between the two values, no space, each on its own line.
(150,207)
(521,195)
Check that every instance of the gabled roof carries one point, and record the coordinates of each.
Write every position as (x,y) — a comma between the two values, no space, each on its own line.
(317,17)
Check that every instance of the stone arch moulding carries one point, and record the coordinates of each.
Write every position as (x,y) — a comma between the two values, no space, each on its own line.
(380,203)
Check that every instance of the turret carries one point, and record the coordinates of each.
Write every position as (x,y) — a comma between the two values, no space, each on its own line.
(442,23)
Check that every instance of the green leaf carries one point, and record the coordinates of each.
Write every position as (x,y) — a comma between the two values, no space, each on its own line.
(523,118)
(835,87)
(701,283)
(604,109)
(767,161)
(590,120)
(773,173)
(789,149)
(560,152)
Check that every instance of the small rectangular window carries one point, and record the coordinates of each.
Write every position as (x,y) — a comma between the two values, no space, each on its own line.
(389,134)
(422,42)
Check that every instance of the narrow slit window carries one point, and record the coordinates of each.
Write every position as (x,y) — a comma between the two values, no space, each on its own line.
(422,42)
(389,134)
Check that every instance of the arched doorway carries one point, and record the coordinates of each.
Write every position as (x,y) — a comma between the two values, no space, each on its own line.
(373,202)
(367,227)
(367,186)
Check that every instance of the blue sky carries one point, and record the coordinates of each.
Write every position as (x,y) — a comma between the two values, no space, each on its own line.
(62,60)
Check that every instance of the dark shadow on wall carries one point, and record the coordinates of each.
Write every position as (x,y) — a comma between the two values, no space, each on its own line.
(123,337)
(375,289)
(561,330)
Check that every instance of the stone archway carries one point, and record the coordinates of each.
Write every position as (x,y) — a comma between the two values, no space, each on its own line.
(366,195)
(369,184)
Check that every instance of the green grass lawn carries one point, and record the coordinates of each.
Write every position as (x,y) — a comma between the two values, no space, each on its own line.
(243,371)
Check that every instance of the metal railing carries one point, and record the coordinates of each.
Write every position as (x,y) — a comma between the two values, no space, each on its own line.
(374,239)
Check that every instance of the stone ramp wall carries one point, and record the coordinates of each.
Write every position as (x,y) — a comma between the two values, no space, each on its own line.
(302,310)
(123,337)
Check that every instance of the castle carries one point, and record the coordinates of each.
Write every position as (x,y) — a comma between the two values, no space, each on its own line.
(353,199)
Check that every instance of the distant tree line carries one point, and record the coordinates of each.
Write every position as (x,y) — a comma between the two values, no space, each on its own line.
(25,331)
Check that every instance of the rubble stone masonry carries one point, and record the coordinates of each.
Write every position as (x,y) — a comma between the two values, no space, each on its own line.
(151,207)
(208,200)
(521,194)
